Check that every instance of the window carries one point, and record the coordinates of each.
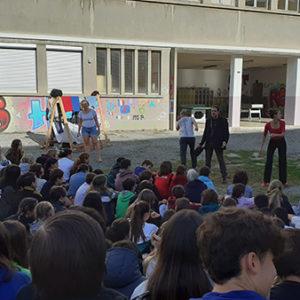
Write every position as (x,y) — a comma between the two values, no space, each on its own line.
(224,2)
(101,70)
(129,71)
(17,70)
(64,70)
(143,72)
(115,71)
(258,3)
(292,5)
(155,72)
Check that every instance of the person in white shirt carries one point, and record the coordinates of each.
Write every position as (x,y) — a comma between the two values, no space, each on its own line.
(141,231)
(83,189)
(65,163)
(186,125)
(38,170)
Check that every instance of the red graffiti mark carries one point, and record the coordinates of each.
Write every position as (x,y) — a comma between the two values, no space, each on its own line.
(4,115)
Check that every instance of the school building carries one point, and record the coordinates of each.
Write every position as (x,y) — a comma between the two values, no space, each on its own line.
(149,59)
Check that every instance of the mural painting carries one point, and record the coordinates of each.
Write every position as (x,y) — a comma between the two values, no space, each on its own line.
(21,114)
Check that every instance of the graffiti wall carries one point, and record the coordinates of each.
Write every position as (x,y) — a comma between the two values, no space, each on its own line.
(21,114)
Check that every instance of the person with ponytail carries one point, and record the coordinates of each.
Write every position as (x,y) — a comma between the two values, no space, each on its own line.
(278,201)
(141,231)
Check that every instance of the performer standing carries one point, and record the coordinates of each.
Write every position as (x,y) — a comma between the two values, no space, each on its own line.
(276,129)
(89,126)
(186,125)
(215,138)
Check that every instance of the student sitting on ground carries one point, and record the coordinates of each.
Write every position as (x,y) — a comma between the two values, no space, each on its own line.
(238,193)
(26,162)
(118,230)
(65,163)
(288,268)
(163,179)
(179,177)
(93,200)
(11,279)
(56,178)
(237,247)
(15,152)
(204,177)
(146,165)
(240,177)
(50,165)
(125,198)
(38,171)
(229,202)
(58,198)
(261,201)
(177,192)
(209,201)
(83,189)
(115,169)
(42,212)
(77,179)
(141,231)
(18,240)
(123,272)
(124,173)
(178,273)
(194,187)
(84,158)
(52,269)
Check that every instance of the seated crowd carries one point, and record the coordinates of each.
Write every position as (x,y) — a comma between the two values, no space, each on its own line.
(71,232)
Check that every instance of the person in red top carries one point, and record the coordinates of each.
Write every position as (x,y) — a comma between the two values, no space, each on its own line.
(180,177)
(163,179)
(276,130)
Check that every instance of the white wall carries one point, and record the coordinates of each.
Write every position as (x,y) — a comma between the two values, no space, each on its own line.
(213,79)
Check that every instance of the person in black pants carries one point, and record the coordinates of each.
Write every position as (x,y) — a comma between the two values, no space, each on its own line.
(276,129)
(186,125)
(215,138)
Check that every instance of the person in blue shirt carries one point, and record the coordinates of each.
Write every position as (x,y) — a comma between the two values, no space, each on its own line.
(77,179)
(240,177)
(11,281)
(237,247)
(146,165)
(204,177)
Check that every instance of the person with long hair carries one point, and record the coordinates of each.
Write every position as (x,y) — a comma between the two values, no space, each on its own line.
(38,170)
(240,177)
(178,274)
(164,179)
(92,200)
(15,152)
(276,130)
(89,127)
(11,279)
(8,186)
(84,158)
(50,165)
(141,231)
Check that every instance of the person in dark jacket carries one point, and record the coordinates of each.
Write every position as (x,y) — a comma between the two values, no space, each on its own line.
(124,173)
(194,187)
(55,178)
(123,272)
(215,138)
(111,177)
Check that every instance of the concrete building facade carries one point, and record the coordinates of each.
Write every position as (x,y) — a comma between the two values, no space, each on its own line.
(136,52)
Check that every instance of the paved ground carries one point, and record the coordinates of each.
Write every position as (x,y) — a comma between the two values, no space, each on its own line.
(160,145)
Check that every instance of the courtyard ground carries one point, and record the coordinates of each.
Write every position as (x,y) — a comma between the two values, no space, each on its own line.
(241,153)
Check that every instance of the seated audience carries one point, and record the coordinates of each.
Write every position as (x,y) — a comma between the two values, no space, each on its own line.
(83,189)
(163,179)
(229,202)
(123,272)
(141,231)
(261,201)
(65,163)
(38,171)
(182,203)
(84,158)
(240,177)
(56,178)
(18,242)
(42,212)
(179,177)
(58,198)
(125,198)
(15,152)
(26,162)
(124,173)
(51,153)
(288,268)
(237,247)
(77,179)
(4,162)
(209,201)
(8,189)
(50,165)
(11,280)
(178,273)
(146,165)
(115,169)
(76,233)
(194,187)
(93,200)
(176,192)
(238,193)
(204,177)
(118,230)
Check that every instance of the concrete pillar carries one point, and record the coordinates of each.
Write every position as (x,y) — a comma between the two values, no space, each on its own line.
(173,88)
(89,66)
(274,4)
(235,91)
(292,99)
(41,63)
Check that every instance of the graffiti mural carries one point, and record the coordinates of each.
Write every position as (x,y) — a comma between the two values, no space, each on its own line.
(21,114)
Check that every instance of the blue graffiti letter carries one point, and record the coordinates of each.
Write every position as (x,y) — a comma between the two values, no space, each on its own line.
(36,114)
